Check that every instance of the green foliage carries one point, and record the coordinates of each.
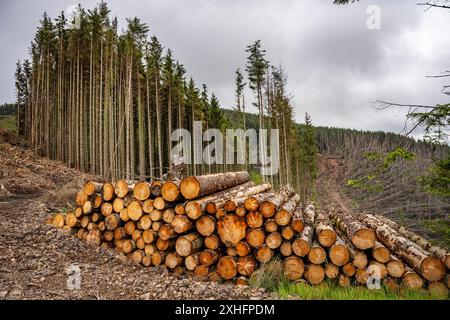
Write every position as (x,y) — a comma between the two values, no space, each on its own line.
(398,153)
(330,291)
(8,123)
(441,228)
(8,109)
(435,122)
(437,179)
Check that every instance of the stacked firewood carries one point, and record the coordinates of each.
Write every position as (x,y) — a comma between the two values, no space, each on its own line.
(224,227)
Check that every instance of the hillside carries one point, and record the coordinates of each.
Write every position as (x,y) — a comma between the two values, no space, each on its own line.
(347,155)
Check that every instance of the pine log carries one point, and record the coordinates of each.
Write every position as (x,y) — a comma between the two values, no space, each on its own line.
(212,242)
(240,211)
(149,236)
(196,186)
(173,260)
(108,235)
(83,223)
(324,229)
(430,267)
(293,268)
(140,244)
(129,227)
(59,220)
(94,237)
(317,254)
(106,209)
(246,265)
(137,256)
(349,270)
(124,215)
(155,215)
(208,257)
(117,204)
(112,221)
(263,254)
(339,254)
(71,220)
(165,245)
(108,191)
(242,281)
(391,284)
(205,225)
(331,271)
(271,225)
(344,281)
(302,245)
(298,225)
(201,271)
(255,237)
(227,267)
(136,234)
(286,249)
(284,215)
(361,276)
(191,261)
(287,233)
(168,215)
(231,251)
(144,223)
(243,249)
(155,188)
(377,269)
(362,237)
(269,207)
(128,246)
(231,229)
(147,206)
(436,250)
(121,188)
(380,253)
(181,224)
(395,267)
(274,240)
(92,187)
(314,273)
(188,244)
(81,198)
(135,210)
(412,280)
(229,205)
(254,219)
(149,249)
(161,204)
(179,209)
(170,191)
(166,232)
(156,225)
(309,214)
(119,233)
(147,261)
(78,212)
(158,257)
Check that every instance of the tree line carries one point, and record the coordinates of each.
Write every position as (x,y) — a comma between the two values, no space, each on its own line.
(106,102)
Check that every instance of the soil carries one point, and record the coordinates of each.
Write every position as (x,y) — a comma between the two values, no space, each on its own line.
(38,261)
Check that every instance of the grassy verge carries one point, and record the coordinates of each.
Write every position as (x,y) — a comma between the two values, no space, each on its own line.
(8,122)
(270,277)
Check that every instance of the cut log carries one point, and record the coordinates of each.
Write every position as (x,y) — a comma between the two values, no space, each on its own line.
(298,225)
(78,212)
(170,191)
(263,254)
(210,208)
(155,188)
(94,237)
(339,254)
(108,235)
(119,233)
(128,246)
(144,223)
(166,232)
(136,234)
(293,268)
(246,265)
(208,257)
(412,280)
(161,204)
(231,251)
(229,205)
(83,223)
(395,268)
(92,187)
(112,221)
(181,224)
(149,236)
(147,261)
(430,267)
(227,267)
(87,207)
(231,229)
(362,237)
(391,284)
(286,249)
(71,220)
(349,270)
(106,209)
(188,244)
(81,198)
(214,276)
(140,244)
(59,220)
(173,260)
(149,249)
(196,186)
(324,229)
(158,257)
(302,245)
(254,219)
(191,261)
(135,210)
(380,253)
(108,191)
(201,271)
(331,271)
(242,281)
(314,273)
(274,240)
(269,207)
(241,212)
(317,254)
(147,206)
(168,215)
(438,251)
(344,281)
(271,225)
(124,215)
(137,256)
(122,188)
(284,215)
(287,233)
(255,237)
(377,269)
(361,276)
(212,242)
(165,245)
(179,209)
(205,225)
(117,204)
(243,249)
(155,215)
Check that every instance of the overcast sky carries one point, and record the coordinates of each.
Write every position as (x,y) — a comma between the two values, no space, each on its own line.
(336,66)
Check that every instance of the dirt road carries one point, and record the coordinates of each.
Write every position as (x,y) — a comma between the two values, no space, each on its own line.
(37,261)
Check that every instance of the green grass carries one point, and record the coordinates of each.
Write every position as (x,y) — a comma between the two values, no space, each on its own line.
(330,291)
(8,122)
(271,277)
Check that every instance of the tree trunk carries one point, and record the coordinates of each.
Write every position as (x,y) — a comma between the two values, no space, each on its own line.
(362,237)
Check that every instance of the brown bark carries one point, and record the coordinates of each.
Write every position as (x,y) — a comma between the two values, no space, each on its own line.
(269,207)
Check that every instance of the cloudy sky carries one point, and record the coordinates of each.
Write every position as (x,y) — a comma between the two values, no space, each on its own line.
(336,65)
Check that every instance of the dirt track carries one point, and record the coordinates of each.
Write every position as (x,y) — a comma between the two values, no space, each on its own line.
(35,257)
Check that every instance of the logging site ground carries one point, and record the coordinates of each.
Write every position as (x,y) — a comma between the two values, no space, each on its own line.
(35,257)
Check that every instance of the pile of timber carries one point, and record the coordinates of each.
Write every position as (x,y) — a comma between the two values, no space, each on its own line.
(224,227)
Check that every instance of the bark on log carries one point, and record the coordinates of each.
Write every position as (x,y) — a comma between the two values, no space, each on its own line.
(430,267)
(284,215)
(362,237)
(196,186)
(269,207)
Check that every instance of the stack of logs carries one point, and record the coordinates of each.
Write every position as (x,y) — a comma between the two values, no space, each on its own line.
(223,227)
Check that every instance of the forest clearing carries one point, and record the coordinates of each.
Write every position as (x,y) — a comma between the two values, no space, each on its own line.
(124,178)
